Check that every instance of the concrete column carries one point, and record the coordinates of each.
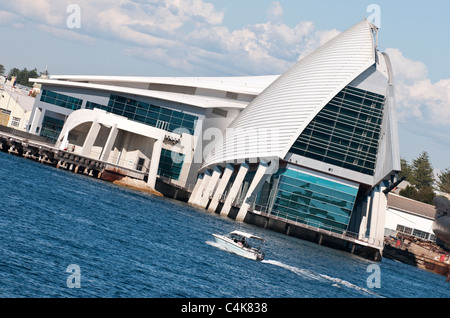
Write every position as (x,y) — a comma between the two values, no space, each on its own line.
(109,143)
(154,165)
(206,178)
(363,225)
(64,143)
(36,121)
(234,189)
(203,200)
(90,138)
(221,187)
(256,185)
(196,187)
(378,217)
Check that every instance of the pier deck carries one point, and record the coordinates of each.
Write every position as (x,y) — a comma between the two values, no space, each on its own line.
(37,148)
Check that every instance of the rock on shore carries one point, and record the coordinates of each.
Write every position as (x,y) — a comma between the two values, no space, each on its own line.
(137,185)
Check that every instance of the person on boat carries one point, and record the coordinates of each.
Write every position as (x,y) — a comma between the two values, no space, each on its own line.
(243,242)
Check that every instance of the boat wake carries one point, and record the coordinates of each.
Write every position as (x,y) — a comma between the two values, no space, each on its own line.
(308,274)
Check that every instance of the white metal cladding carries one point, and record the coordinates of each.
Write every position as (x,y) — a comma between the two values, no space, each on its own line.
(287,106)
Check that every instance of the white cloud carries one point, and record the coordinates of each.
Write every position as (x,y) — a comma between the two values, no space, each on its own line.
(188,35)
(42,11)
(405,69)
(275,11)
(418,99)
(197,9)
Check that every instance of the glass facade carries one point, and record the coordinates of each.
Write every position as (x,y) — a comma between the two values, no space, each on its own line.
(51,128)
(156,116)
(346,131)
(61,100)
(168,167)
(308,199)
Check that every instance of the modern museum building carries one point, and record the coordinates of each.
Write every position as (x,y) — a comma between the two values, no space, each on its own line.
(313,151)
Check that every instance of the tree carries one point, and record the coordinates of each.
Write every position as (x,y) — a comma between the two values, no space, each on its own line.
(2,69)
(23,76)
(406,170)
(425,195)
(443,181)
(420,175)
(14,72)
(422,172)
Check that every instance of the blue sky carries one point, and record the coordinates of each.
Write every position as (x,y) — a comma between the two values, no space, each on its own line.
(245,37)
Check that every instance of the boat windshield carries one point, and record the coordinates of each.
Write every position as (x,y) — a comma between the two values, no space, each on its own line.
(246,240)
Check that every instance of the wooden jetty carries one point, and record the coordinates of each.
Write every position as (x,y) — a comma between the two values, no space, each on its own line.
(38,149)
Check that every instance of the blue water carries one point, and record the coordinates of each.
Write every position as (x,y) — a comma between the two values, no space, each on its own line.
(130,244)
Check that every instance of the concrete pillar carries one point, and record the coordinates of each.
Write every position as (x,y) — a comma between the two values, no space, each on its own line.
(201,189)
(36,121)
(196,187)
(208,191)
(221,187)
(378,216)
(109,143)
(256,185)
(90,138)
(154,165)
(243,169)
(363,225)
(288,229)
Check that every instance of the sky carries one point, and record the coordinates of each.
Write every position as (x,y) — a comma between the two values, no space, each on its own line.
(238,38)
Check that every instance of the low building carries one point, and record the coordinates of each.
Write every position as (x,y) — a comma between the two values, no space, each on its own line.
(15,107)
(410,217)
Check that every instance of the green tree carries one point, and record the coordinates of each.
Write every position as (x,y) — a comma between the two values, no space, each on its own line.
(14,72)
(406,170)
(23,76)
(409,192)
(2,69)
(425,195)
(420,175)
(422,172)
(443,181)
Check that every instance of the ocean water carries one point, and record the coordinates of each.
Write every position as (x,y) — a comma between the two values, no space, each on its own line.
(70,236)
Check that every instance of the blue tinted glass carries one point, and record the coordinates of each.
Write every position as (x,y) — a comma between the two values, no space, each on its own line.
(313,200)
(168,167)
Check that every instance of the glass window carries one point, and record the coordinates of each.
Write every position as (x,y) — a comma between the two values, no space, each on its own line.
(345,132)
(317,201)
(51,128)
(148,114)
(168,167)
(60,100)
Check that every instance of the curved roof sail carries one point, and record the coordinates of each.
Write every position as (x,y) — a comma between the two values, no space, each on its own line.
(288,105)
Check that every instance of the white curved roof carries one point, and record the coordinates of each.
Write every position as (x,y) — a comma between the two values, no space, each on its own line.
(194,100)
(287,106)
(252,85)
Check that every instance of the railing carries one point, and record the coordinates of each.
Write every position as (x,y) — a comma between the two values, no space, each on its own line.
(314,225)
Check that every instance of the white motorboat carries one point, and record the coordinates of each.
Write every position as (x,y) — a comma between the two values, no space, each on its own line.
(243,244)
